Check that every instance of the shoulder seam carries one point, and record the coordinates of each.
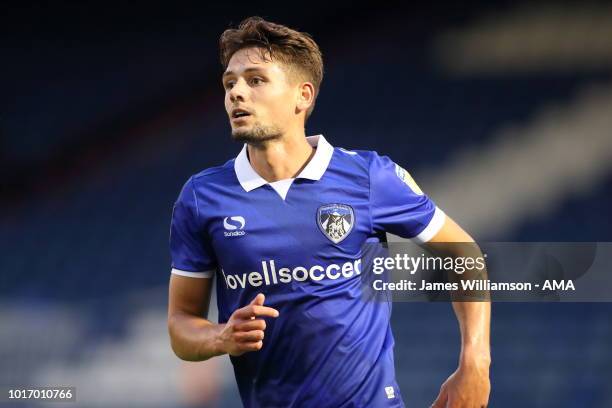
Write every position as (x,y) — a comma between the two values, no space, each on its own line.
(199,224)
(208,172)
(195,198)
(214,170)
(370,194)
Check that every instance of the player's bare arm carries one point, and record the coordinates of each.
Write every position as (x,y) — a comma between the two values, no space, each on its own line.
(194,338)
(469,385)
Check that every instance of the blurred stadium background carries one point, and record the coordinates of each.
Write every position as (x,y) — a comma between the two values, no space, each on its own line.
(502,111)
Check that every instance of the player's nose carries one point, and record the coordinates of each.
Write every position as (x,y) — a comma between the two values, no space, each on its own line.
(238,91)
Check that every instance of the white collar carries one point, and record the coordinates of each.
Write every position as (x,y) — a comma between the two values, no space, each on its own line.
(314,170)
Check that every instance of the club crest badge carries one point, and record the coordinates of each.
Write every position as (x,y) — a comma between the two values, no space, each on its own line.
(335,221)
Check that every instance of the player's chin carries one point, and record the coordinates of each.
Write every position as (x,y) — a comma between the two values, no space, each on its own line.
(241,132)
(256,133)
(242,125)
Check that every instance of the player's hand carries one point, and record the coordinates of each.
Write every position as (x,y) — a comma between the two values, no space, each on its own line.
(467,387)
(243,331)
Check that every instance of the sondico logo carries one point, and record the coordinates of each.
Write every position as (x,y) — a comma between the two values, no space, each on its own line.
(234,226)
(270,274)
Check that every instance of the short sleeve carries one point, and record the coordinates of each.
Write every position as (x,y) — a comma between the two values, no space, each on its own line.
(191,251)
(398,205)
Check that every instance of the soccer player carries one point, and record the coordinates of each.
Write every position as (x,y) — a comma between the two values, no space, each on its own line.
(282,228)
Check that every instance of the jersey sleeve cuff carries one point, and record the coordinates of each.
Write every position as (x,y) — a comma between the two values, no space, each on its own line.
(435,224)
(203,274)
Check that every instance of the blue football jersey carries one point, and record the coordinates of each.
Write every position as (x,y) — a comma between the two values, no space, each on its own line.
(300,242)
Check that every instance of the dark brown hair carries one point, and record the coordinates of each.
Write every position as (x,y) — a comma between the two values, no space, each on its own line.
(294,49)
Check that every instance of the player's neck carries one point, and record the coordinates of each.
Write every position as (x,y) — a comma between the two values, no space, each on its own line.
(281,159)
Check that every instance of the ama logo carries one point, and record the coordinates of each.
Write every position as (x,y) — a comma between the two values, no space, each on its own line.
(234,226)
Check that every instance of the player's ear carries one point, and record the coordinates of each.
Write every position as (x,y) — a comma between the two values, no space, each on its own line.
(305,96)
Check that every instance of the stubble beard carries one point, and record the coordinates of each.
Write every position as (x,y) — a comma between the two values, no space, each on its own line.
(258,134)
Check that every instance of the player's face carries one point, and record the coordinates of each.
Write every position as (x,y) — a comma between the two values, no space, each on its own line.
(262,88)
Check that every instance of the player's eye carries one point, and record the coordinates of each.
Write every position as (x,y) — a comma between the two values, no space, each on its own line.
(256,80)
(229,84)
